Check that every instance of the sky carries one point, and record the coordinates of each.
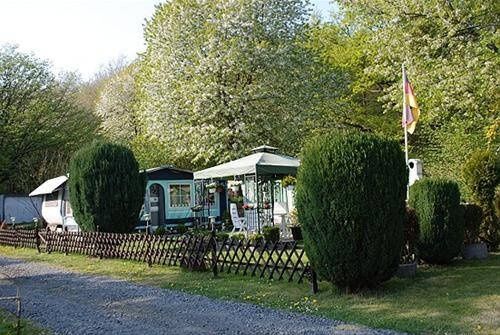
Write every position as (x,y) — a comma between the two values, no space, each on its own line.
(82,35)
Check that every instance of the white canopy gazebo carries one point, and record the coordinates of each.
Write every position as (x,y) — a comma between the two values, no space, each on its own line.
(260,173)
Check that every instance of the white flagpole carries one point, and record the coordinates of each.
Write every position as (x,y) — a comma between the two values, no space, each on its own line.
(405,125)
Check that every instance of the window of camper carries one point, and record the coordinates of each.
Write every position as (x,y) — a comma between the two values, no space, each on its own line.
(52,199)
(180,195)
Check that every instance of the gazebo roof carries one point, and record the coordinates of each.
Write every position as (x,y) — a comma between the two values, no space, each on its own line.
(261,162)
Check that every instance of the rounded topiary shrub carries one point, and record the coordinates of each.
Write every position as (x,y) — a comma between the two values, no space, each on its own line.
(350,197)
(105,188)
(440,216)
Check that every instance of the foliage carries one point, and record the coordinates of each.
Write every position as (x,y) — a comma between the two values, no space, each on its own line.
(41,121)
(160,231)
(437,204)
(473,216)
(353,238)
(238,237)
(220,77)
(222,236)
(106,189)
(288,181)
(454,73)
(115,106)
(271,233)
(482,177)
(294,218)
(181,228)
(257,238)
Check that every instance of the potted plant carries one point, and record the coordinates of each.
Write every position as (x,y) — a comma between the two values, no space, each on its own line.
(211,187)
(473,247)
(295,225)
(288,181)
(235,187)
(267,205)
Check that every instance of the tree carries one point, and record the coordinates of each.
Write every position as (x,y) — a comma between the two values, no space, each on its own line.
(41,121)
(105,187)
(450,49)
(115,106)
(219,77)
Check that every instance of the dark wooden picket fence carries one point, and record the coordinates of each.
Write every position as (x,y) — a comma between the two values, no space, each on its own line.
(280,260)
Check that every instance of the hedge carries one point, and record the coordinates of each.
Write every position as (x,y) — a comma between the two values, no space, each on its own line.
(440,216)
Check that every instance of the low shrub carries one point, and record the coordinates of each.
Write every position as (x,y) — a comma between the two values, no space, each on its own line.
(271,233)
(473,216)
(222,236)
(238,236)
(160,231)
(256,238)
(350,198)
(437,205)
(181,228)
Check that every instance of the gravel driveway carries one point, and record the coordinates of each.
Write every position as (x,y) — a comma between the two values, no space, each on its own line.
(71,303)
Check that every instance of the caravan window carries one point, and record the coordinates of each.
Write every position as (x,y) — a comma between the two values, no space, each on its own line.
(52,199)
(180,195)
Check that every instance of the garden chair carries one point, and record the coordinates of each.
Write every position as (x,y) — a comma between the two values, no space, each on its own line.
(238,222)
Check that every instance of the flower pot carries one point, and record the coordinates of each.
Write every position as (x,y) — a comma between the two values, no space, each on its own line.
(407,270)
(296,233)
(475,251)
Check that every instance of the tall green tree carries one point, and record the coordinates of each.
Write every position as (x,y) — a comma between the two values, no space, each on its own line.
(219,77)
(450,49)
(41,121)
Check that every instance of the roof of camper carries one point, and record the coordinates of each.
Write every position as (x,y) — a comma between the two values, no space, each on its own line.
(49,186)
(168,172)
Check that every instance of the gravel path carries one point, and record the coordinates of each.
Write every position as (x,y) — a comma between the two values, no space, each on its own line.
(71,303)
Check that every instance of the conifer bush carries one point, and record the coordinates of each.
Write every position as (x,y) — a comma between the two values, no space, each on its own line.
(350,197)
(105,188)
(440,216)
(482,177)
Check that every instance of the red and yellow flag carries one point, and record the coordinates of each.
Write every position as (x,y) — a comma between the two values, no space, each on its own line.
(411,111)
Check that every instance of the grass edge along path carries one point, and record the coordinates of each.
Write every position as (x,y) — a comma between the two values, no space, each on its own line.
(463,297)
(8,323)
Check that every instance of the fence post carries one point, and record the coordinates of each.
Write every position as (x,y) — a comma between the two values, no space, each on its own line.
(48,247)
(16,236)
(37,237)
(148,246)
(213,242)
(65,240)
(314,281)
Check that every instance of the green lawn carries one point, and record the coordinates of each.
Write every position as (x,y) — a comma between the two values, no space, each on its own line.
(461,298)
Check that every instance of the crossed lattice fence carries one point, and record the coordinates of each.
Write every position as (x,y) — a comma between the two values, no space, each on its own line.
(280,260)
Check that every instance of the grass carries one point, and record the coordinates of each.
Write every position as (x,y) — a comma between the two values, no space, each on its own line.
(463,297)
(8,323)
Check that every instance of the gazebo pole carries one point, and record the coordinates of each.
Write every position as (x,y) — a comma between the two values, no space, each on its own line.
(257,197)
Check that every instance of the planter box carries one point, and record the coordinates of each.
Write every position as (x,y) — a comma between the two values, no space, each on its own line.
(475,251)
(407,270)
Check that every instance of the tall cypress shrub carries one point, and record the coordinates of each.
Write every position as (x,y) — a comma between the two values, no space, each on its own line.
(482,177)
(437,204)
(350,198)
(105,188)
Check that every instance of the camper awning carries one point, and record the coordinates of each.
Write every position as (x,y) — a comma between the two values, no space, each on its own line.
(49,186)
(262,163)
